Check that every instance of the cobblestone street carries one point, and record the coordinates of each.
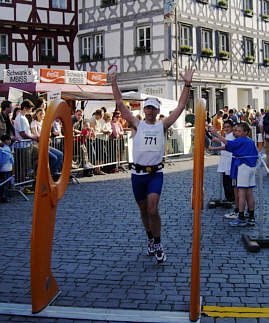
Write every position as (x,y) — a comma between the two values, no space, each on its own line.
(99,254)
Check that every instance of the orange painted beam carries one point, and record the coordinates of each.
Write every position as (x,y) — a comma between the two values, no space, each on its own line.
(47,193)
(197,205)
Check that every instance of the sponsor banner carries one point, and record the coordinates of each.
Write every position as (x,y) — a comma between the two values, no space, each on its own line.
(169,10)
(27,75)
(49,75)
(94,78)
(75,77)
(55,95)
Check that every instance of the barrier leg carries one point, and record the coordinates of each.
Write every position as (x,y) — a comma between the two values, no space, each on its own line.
(197,203)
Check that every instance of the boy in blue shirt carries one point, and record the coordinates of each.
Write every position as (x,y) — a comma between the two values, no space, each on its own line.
(243,168)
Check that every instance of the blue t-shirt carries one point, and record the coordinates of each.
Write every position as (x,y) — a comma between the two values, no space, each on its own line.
(244,152)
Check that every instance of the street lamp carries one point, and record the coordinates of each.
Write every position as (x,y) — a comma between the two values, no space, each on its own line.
(166,65)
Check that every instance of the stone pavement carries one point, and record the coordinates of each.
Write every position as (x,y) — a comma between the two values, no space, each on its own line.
(99,250)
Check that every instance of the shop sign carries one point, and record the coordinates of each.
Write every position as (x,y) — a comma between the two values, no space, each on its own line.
(169,10)
(94,78)
(55,95)
(27,75)
(49,75)
(75,77)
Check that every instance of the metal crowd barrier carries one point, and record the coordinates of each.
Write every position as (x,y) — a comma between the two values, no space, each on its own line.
(93,153)
(179,142)
(25,163)
(90,154)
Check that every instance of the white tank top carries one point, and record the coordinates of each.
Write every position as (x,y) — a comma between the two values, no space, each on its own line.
(148,144)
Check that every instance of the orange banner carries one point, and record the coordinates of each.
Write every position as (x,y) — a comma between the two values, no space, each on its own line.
(94,78)
(48,75)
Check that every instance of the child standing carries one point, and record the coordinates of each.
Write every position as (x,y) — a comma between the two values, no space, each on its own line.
(225,161)
(6,164)
(245,156)
(86,133)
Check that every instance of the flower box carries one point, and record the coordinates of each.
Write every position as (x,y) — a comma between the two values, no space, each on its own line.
(249,59)
(202,1)
(224,55)
(4,57)
(248,13)
(184,49)
(48,59)
(84,58)
(207,52)
(140,50)
(107,3)
(266,61)
(265,17)
(222,4)
(97,56)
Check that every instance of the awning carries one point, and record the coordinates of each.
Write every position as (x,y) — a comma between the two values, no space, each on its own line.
(69,91)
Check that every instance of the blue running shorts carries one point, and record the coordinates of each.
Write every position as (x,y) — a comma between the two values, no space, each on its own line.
(143,185)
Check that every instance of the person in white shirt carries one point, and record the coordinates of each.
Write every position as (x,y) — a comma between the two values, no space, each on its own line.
(21,124)
(23,133)
(148,152)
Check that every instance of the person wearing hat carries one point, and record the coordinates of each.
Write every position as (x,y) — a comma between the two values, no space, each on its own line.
(148,152)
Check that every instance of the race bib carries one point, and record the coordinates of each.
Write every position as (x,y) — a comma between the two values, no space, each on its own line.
(150,141)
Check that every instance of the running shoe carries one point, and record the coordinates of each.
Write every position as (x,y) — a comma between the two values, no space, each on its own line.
(150,251)
(232,215)
(159,253)
(251,221)
(238,223)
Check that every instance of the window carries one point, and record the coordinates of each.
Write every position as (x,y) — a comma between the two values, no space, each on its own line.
(59,4)
(86,46)
(98,46)
(143,39)
(92,47)
(265,7)
(5,1)
(248,5)
(223,42)
(206,39)
(186,35)
(3,45)
(249,47)
(47,48)
(223,39)
(266,50)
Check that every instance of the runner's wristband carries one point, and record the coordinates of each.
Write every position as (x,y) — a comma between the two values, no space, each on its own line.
(188,85)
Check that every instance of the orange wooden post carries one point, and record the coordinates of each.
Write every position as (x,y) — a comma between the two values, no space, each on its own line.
(197,204)
(47,193)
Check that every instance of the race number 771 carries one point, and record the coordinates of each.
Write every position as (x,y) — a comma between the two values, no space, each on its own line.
(150,140)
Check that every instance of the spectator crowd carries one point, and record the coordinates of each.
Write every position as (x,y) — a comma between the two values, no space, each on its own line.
(20,129)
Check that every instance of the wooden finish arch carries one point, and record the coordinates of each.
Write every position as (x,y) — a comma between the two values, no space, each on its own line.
(197,205)
(47,193)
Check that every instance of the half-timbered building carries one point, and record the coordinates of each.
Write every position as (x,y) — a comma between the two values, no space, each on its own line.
(37,33)
(225,40)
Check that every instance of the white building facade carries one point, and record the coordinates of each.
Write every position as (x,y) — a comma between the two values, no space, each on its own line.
(225,40)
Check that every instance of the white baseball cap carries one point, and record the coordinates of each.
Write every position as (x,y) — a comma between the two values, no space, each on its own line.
(153,102)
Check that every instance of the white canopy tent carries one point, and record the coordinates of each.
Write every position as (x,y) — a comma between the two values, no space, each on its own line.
(134,97)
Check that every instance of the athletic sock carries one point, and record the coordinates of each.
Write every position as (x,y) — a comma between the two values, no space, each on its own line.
(150,235)
(241,216)
(157,240)
(236,210)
